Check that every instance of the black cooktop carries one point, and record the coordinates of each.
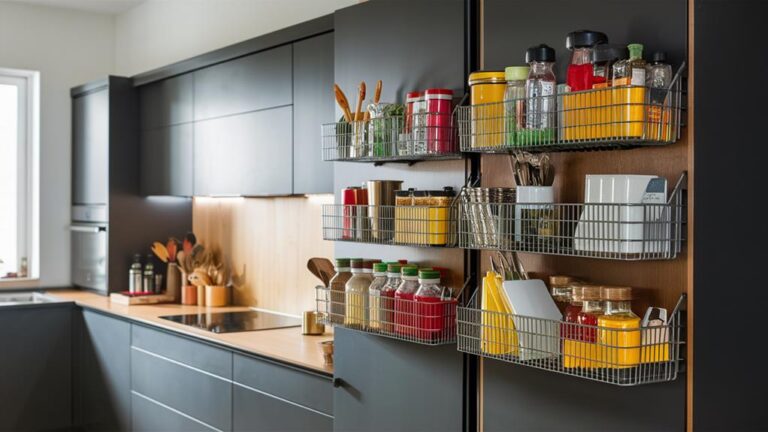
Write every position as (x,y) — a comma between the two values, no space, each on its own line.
(230,322)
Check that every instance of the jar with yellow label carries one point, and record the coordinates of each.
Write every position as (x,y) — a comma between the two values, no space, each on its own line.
(487,90)
(619,329)
(440,216)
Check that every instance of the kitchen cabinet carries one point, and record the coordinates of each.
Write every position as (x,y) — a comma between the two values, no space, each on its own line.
(313,105)
(35,367)
(90,147)
(151,416)
(167,102)
(259,412)
(254,82)
(167,160)
(390,385)
(104,370)
(246,154)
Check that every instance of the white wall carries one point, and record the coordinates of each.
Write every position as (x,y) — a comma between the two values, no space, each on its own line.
(68,48)
(160,32)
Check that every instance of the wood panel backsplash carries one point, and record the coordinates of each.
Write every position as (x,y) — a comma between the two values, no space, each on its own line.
(268,241)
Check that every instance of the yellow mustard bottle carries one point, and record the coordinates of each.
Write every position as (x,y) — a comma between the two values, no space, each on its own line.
(498,335)
(619,330)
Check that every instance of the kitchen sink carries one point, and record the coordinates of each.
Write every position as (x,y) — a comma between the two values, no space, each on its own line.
(17,298)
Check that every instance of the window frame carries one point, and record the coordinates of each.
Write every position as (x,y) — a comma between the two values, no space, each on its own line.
(28,182)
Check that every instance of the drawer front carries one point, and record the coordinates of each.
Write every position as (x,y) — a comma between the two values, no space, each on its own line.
(254,82)
(254,411)
(198,355)
(304,388)
(149,416)
(197,394)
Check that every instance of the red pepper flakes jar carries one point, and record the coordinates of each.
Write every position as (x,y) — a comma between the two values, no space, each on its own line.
(439,121)
(434,308)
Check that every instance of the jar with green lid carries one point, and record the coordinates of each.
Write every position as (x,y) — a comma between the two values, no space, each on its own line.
(375,315)
(387,297)
(404,307)
(514,102)
(338,286)
(487,108)
(433,305)
(356,295)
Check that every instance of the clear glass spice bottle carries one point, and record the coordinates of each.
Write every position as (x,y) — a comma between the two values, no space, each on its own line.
(514,102)
(356,296)
(375,316)
(591,309)
(540,96)
(629,101)
(432,301)
(387,297)
(338,286)
(404,307)
(619,332)
(561,289)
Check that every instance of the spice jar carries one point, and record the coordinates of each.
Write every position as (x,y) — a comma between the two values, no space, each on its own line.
(440,216)
(375,295)
(561,289)
(403,215)
(514,102)
(338,286)
(434,317)
(487,108)
(387,297)
(439,120)
(541,108)
(404,310)
(571,316)
(420,231)
(356,296)
(619,332)
(591,309)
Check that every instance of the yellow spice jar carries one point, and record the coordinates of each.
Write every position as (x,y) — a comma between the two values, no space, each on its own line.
(619,329)
(487,112)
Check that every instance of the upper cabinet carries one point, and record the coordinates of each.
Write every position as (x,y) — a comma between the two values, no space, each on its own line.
(250,83)
(90,152)
(167,102)
(312,106)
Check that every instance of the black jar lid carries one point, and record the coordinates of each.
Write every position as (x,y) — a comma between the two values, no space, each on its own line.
(660,57)
(540,53)
(609,52)
(585,38)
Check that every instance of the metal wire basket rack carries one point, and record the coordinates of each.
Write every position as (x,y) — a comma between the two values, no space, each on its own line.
(420,322)
(424,226)
(605,118)
(629,232)
(624,357)
(409,138)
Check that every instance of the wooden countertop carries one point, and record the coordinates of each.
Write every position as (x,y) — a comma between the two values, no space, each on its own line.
(285,345)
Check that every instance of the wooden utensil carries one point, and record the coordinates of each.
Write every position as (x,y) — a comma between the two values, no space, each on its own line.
(377,93)
(160,251)
(322,268)
(360,98)
(341,99)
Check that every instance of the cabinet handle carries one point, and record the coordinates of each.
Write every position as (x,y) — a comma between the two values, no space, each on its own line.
(337,382)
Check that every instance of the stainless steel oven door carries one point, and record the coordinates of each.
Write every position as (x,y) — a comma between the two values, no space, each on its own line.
(89,256)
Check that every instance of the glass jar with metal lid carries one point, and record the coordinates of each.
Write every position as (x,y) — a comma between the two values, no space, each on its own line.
(487,113)
(375,320)
(591,309)
(619,329)
(561,288)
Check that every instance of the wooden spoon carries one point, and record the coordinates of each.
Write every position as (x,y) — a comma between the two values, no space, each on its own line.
(341,99)
(377,92)
(360,99)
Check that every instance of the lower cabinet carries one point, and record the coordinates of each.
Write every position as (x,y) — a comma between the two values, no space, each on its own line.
(151,416)
(260,412)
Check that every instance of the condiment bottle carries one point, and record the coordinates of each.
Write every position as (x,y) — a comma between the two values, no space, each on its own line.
(540,95)
(440,216)
(632,70)
(580,70)
(514,102)
(439,120)
(432,306)
(561,289)
(403,215)
(338,286)
(134,275)
(604,56)
(619,329)
(658,81)
(387,297)
(571,316)
(486,94)
(375,320)
(591,309)
(404,308)
(149,275)
(356,297)
(628,117)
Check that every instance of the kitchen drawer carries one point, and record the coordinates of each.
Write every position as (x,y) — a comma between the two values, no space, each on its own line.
(167,102)
(304,388)
(257,412)
(254,82)
(201,395)
(150,416)
(198,355)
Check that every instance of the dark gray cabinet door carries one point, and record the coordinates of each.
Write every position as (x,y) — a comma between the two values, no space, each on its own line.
(245,154)
(151,416)
(388,385)
(312,106)
(35,367)
(167,102)
(90,148)
(259,412)
(254,82)
(105,368)
(167,160)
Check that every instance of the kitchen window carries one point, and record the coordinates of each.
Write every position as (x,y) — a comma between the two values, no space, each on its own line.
(18,174)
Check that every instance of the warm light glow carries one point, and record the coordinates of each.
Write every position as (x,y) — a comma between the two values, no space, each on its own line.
(320,199)
(212,200)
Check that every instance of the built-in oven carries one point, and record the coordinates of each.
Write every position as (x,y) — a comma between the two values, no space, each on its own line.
(90,242)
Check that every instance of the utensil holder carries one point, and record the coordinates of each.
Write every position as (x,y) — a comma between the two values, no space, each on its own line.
(216,296)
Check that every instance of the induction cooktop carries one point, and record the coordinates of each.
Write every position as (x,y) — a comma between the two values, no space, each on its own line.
(230,322)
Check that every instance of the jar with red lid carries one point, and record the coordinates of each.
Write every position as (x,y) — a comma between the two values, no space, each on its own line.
(439,121)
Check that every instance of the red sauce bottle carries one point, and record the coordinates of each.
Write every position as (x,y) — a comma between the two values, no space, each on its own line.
(591,309)
(569,329)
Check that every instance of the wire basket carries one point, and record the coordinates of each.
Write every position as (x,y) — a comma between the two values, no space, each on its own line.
(421,136)
(607,118)
(422,322)
(624,357)
(426,226)
(611,231)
